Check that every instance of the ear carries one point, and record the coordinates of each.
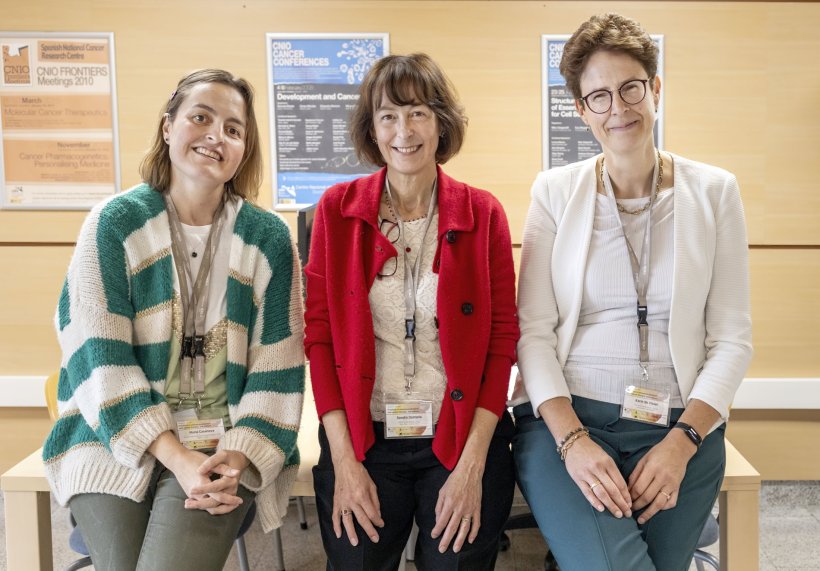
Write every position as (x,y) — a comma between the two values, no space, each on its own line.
(656,91)
(166,126)
(581,109)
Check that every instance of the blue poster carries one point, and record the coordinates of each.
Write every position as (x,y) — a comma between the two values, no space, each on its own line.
(565,137)
(314,86)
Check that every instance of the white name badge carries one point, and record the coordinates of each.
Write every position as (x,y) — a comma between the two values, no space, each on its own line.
(196,434)
(410,419)
(645,404)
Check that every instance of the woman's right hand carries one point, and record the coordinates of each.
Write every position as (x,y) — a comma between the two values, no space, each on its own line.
(598,478)
(592,469)
(185,466)
(182,462)
(355,496)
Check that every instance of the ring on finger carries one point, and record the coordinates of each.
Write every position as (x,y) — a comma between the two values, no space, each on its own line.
(595,483)
(668,496)
(466,519)
(345,512)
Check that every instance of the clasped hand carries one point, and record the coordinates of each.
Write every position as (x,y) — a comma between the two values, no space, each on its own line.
(653,484)
(212,482)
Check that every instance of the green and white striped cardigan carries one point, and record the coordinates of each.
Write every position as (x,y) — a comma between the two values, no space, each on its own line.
(114,323)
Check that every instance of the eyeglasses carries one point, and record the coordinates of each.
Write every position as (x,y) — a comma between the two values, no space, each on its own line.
(600,101)
(392,232)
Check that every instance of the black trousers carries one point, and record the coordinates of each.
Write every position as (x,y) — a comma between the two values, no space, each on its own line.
(408,477)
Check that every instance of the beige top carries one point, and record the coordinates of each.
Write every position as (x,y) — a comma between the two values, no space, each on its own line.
(387,306)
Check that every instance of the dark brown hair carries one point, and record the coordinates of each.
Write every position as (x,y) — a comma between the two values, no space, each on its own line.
(406,80)
(607,32)
(155,168)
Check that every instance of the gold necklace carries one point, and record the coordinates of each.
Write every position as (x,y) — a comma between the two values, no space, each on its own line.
(643,208)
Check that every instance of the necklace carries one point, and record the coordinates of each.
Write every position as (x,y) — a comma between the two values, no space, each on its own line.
(643,208)
(386,199)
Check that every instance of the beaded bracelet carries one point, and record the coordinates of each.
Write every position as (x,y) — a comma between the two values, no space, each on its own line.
(567,443)
(568,435)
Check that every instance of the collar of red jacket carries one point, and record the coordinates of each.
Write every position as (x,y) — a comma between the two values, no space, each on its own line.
(455,209)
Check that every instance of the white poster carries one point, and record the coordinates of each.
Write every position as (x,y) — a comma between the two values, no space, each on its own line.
(58,135)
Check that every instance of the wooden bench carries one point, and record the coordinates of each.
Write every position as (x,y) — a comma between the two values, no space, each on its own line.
(28,505)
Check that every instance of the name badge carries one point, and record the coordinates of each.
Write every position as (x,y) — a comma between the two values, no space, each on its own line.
(410,419)
(645,404)
(198,434)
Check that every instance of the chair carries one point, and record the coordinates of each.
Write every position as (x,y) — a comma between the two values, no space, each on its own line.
(709,536)
(278,550)
(76,541)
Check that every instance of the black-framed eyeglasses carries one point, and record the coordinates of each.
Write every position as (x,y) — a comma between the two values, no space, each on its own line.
(600,101)
(392,232)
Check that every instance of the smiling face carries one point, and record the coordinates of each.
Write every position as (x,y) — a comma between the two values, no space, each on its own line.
(206,138)
(407,136)
(624,129)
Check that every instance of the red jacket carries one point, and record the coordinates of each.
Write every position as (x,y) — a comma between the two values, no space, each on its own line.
(478,326)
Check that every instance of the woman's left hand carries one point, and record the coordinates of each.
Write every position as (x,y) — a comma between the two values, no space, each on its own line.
(655,481)
(458,509)
(220,494)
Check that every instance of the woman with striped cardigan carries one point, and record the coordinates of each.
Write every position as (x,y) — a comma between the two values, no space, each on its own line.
(181,328)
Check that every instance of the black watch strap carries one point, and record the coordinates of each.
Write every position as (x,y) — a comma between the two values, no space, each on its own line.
(690,432)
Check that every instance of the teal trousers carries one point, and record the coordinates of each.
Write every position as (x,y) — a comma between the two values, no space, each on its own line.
(583,539)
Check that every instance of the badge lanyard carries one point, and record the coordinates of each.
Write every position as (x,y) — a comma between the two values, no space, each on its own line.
(640,269)
(411,282)
(194,303)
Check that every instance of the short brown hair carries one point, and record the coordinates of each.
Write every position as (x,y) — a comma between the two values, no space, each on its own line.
(607,32)
(407,80)
(155,168)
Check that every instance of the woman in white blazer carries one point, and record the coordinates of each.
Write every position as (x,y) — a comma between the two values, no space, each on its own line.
(635,325)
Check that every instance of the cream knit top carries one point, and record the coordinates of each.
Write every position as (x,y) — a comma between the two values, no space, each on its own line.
(387,306)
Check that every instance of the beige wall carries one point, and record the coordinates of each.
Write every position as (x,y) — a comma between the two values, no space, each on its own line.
(742,91)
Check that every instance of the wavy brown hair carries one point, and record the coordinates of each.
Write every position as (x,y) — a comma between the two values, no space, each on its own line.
(155,168)
(407,80)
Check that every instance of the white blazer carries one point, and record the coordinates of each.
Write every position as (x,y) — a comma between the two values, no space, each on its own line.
(710,329)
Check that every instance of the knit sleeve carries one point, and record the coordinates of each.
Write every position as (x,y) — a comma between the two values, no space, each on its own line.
(266,402)
(104,394)
(504,327)
(318,335)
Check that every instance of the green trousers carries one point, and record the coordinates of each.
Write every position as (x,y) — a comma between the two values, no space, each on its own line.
(158,533)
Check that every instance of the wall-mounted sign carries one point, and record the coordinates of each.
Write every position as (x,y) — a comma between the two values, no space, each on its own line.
(565,138)
(58,135)
(313,82)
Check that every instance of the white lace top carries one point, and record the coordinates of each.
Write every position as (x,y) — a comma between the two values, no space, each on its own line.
(387,306)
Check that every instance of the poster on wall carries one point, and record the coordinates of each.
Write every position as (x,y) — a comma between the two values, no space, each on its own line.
(58,134)
(313,82)
(565,137)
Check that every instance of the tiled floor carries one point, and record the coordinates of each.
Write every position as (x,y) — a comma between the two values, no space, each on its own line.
(789,537)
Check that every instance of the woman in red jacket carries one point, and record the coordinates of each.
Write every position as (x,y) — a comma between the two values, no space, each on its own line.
(411,333)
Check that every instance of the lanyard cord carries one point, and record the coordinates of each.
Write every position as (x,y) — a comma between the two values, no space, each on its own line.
(411,282)
(194,301)
(640,269)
